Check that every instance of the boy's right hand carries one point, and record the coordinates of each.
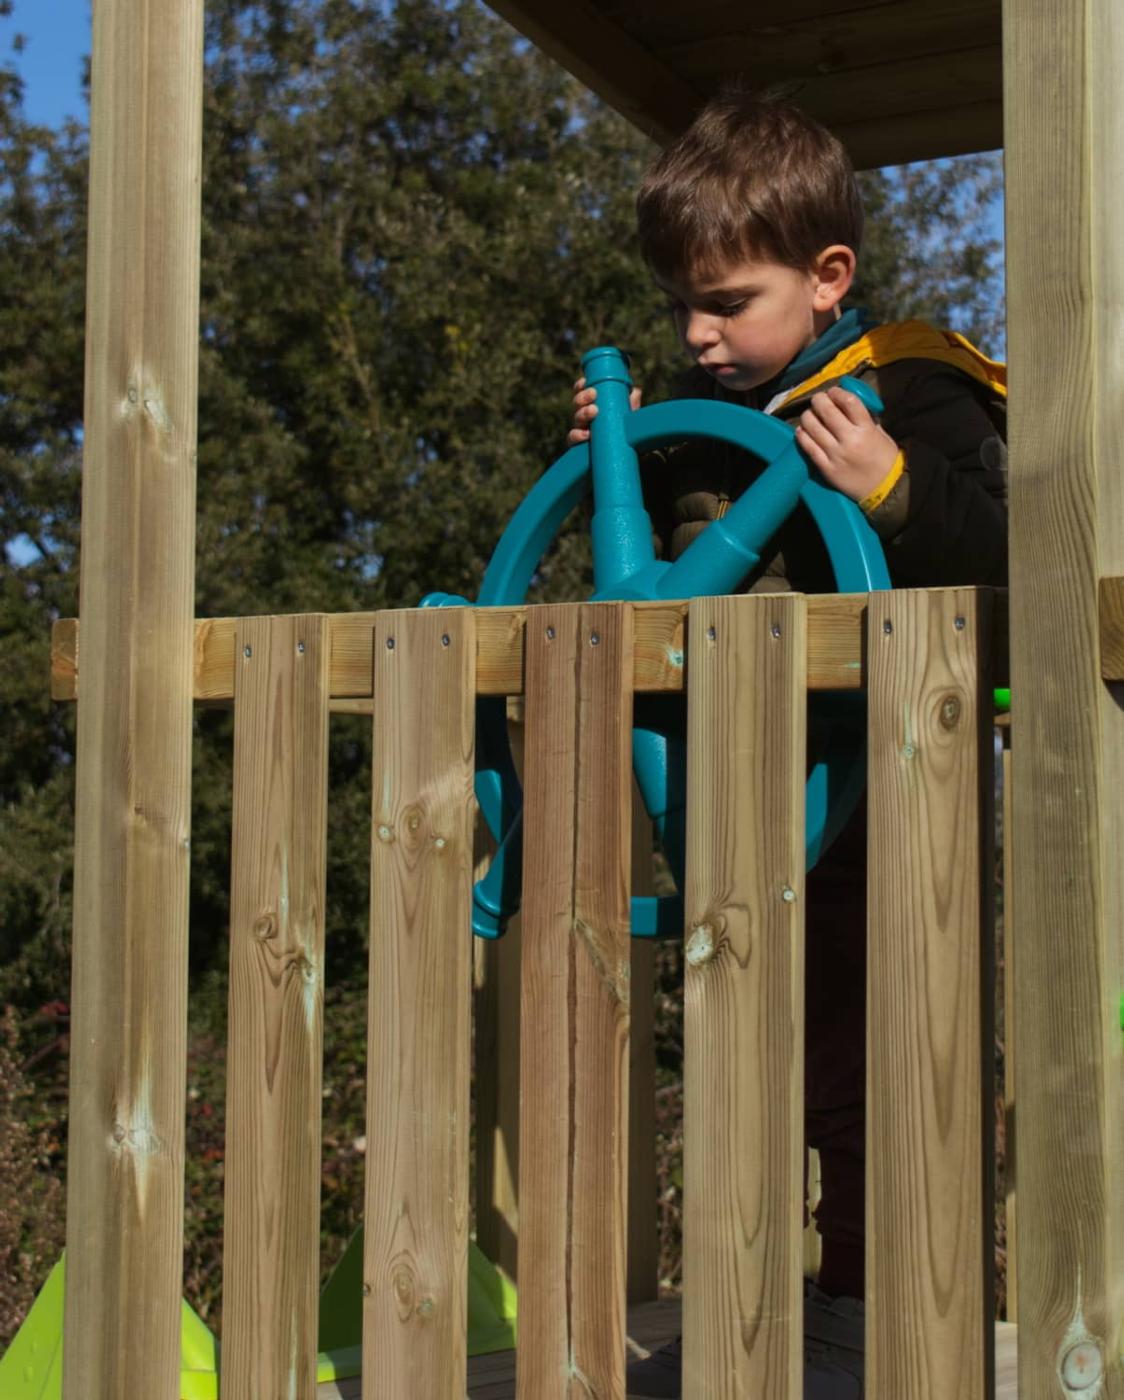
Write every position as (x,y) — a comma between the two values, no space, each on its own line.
(585,410)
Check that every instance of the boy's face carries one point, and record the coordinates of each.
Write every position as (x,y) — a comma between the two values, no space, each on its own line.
(743,323)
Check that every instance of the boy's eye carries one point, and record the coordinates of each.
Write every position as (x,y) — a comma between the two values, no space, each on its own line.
(732,308)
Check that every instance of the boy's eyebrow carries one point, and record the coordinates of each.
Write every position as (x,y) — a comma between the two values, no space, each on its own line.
(713,293)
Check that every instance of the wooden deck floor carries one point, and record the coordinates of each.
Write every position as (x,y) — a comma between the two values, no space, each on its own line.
(651,1325)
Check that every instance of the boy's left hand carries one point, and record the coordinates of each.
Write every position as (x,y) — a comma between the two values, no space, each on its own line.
(838,435)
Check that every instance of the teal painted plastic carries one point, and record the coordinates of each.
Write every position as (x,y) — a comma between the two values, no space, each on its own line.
(625,567)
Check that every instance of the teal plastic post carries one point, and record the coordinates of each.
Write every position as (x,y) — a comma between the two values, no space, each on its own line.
(621,528)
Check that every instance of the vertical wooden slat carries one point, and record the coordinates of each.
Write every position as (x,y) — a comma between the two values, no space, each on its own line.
(271,1250)
(418,1043)
(129,1029)
(931,906)
(1010,1134)
(643,1236)
(1064,133)
(573,1129)
(744,999)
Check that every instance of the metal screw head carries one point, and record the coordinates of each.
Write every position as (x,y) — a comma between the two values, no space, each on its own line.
(887,626)
(711,633)
(247,652)
(775,630)
(444,639)
(595,639)
(958,623)
(788,894)
(390,643)
(550,634)
(300,648)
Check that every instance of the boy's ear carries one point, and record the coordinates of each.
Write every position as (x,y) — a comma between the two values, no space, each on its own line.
(833,274)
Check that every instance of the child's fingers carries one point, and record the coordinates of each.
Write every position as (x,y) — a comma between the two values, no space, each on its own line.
(814,429)
(579,383)
(812,449)
(829,414)
(634,397)
(585,415)
(850,405)
(576,435)
(585,396)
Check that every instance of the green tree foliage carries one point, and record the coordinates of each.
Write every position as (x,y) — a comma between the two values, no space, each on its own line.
(413,225)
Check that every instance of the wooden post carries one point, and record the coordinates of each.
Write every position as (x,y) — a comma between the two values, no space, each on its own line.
(1010,1130)
(643,1231)
(415,1267)
(929,1043)
(574,1073)
(1064,101)
(271,1238)
(129,1030)
(744,999)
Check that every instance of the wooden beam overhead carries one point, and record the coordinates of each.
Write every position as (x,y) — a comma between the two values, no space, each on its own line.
(859,39)
(626,74)
(898,80)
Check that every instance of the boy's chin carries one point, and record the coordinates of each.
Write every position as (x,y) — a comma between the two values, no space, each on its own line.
(736,378)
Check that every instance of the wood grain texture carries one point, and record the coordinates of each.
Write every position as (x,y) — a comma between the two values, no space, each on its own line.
(624,73)
(1111,618)
(650,1325)
(929,1223)
(574,1074)
(1010,1042)
(1064,62)
(836,650)
(744,999)
(856,39)
(271,1236)
(631,53)
(643,1233)
(416,1213)
(129,1002)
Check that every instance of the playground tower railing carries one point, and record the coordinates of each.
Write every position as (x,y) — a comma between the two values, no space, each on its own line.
(927,662)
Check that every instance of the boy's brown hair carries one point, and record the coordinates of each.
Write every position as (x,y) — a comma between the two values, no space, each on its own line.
(751,177)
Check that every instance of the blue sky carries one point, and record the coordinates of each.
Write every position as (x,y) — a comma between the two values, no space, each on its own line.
(58,36)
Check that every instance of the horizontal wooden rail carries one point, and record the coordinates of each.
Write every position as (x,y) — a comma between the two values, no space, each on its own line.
(836,650)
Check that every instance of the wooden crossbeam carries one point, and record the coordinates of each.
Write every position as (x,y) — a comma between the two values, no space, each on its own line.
(836,650)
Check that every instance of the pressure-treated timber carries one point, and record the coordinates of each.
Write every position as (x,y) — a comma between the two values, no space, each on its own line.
(129,1029)
(1064,64)
(1010,1041)
(271,1233)
(836,650)
(415,1279)
(643,1234)
(622,72)
(575,976)
(905,66)
(841,43)
(929,1037)
(744,1000)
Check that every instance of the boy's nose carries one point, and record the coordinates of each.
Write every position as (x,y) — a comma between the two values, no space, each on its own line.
(700,331)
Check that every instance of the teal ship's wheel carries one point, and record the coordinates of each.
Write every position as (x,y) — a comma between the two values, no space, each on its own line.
(625,567)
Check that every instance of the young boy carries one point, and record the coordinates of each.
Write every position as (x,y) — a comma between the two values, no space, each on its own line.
(751,223)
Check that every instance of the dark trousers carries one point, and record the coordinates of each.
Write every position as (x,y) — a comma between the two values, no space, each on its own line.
(835,1052)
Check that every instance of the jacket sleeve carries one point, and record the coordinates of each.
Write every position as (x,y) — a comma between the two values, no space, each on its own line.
(951,526)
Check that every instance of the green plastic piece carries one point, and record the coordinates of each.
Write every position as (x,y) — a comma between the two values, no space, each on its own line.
(31,1369)
(1002,698)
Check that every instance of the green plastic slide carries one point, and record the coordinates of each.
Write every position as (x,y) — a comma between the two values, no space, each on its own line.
(31,1369)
